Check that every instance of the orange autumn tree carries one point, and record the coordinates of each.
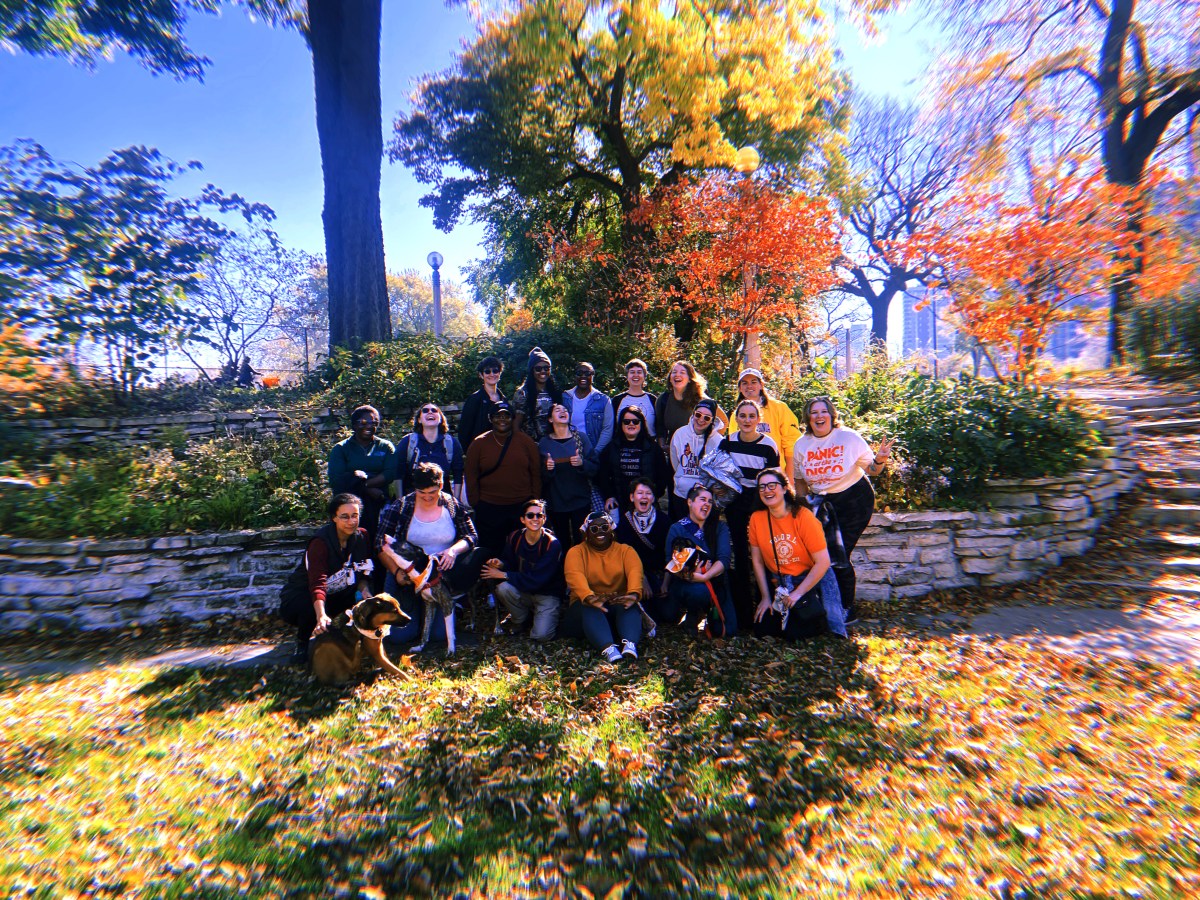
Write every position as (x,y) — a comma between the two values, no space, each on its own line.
(1016,268)
(742,253)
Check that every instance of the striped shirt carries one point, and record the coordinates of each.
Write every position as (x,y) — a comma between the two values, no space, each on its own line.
(751,457)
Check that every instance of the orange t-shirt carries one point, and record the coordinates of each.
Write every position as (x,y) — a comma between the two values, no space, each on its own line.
(797,538)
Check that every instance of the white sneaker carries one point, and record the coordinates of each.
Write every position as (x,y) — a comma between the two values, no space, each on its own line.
(629,648)
(612,654)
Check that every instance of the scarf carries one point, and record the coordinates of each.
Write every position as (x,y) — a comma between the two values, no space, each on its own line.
(642,523)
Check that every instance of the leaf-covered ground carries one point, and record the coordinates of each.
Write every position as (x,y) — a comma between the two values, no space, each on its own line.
(900,765)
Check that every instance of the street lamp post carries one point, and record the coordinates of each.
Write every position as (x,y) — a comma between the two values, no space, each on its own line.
(435,261)
(746,164)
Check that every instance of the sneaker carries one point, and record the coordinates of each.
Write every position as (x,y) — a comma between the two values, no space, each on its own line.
(612,654)
(300,654)
(850,616)
(629,648)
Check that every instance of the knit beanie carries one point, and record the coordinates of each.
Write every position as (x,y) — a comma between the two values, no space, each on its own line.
(538,355)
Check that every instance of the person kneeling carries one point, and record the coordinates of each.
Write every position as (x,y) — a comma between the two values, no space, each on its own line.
(800,597)
(529,574)
(698,550)
(604,580)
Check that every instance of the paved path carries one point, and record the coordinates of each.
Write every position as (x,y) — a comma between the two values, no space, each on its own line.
(233,655)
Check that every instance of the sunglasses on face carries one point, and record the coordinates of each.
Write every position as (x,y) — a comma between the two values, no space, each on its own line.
(702,417)
(367,423)
(502,415)
(535,515)
(580,373)
(430,409)
(630,422)
(541,368)
(599,528)
(491,372)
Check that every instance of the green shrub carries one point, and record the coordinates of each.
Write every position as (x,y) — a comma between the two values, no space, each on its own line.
(228,484)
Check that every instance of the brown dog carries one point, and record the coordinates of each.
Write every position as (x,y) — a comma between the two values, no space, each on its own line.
(337,654)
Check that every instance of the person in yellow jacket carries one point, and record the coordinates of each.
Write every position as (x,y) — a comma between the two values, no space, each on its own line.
(604,581)
(775,417)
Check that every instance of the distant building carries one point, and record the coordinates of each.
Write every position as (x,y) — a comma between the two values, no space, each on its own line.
(920,325)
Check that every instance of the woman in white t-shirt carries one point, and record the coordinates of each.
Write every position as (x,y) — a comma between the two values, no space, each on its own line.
(835,461)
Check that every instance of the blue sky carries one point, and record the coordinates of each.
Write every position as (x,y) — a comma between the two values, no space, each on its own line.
(251,122)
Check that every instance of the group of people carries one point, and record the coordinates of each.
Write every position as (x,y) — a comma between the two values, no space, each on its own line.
(599,517)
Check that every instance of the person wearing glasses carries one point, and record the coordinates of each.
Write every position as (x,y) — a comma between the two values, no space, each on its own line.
(753,451)
(673,410)
(637,374)
(337,564)
(604,584)
(536,397)
(591,411)
(791,565)
(476,414)
(529,574)
(632,455)
(833,461)
(501,471)
(430,441)
(364,465)
(700,591)
(689,445)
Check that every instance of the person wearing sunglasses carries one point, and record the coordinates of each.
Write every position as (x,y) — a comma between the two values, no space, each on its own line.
(536,397)
(430,441)
(502,471)
(632,455)
(475,418)
(604,584)
(529,574)
(689,445)
(798,593)
(591,411)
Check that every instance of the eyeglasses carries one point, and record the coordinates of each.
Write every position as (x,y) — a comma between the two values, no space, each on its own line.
(347,517)
(541,368)
(599,527)
(767,487)
(490,372)
(535,515)
(430,409)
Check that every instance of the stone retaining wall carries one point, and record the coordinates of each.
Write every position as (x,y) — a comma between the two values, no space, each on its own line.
(165,429)
(89,584)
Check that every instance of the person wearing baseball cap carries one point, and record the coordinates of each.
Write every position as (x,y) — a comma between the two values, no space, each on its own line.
(502,471)
(775,418)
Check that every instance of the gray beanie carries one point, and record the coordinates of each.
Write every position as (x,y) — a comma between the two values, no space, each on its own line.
(537,355)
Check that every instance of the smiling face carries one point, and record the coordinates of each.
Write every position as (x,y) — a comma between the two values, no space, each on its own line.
(427,498)
(584,374)
(747,420)
(345,519)
(560,415)
(541,373)
(635,377)
(701,419)
(365,427)
(771,491)
(501,422)
(599,533)
(751,387)
(700,506)
(642,498)
(534,518)
(679,377)
(820,418)
(430,416)
(490,375)
(631,425)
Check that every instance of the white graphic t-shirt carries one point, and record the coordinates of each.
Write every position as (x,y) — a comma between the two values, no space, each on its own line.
(833,463)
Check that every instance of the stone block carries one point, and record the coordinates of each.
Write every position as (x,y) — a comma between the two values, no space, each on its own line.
(982,565)
(873,592)
(910,575)
(1007,501)
(31,586)
(991,532)
(97,618)
(1028,550)
(24,547)
(912,590)
(953,584)
(947,570)
(15,622)
(1008,576)
(942,554)
(935,539)
(1076,547)
(179,542)
(237,538)
(128,545)
(1077,501)
(38,565)
(870,574)
(879,555)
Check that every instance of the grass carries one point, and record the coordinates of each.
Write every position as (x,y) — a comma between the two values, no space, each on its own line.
(896,766)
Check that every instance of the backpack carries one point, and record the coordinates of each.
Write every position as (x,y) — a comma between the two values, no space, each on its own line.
(411,454)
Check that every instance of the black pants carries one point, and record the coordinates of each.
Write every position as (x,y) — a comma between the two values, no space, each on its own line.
(495,522)
(566,525)
(741,583)
(335,607)
(854,507)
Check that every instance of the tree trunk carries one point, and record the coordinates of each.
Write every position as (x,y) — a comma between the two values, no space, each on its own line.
(879,317)
(344,36)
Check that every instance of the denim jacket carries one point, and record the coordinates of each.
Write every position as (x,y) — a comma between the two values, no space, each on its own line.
(597,417)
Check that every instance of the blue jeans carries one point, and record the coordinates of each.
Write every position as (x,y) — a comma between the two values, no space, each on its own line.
(599,627)
(694,601)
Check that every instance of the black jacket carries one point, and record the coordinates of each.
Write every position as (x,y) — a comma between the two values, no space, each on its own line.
(475,417)
(614,483)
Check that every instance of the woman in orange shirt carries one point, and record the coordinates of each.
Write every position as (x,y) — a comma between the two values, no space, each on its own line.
(791,565)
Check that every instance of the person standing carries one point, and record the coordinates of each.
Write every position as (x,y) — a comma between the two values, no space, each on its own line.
(364,465)
(604,584)
(536,396)
(591,411)
(753,451)
(775,418)
(430,441)
(476,414)
(501,472)
(637,374)
(834,461)
(689,445)
(529,574)
(631,455)
(568,466)
(673,410)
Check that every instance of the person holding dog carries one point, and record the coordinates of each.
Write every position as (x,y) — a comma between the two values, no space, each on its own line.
(336,565)
(604,583)
(529,574)
(699,590)
(791,565)
(438,525)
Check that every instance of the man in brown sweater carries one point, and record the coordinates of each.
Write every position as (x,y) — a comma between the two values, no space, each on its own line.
(502,470)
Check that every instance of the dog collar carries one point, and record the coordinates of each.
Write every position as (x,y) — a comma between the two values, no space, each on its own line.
(378,634)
